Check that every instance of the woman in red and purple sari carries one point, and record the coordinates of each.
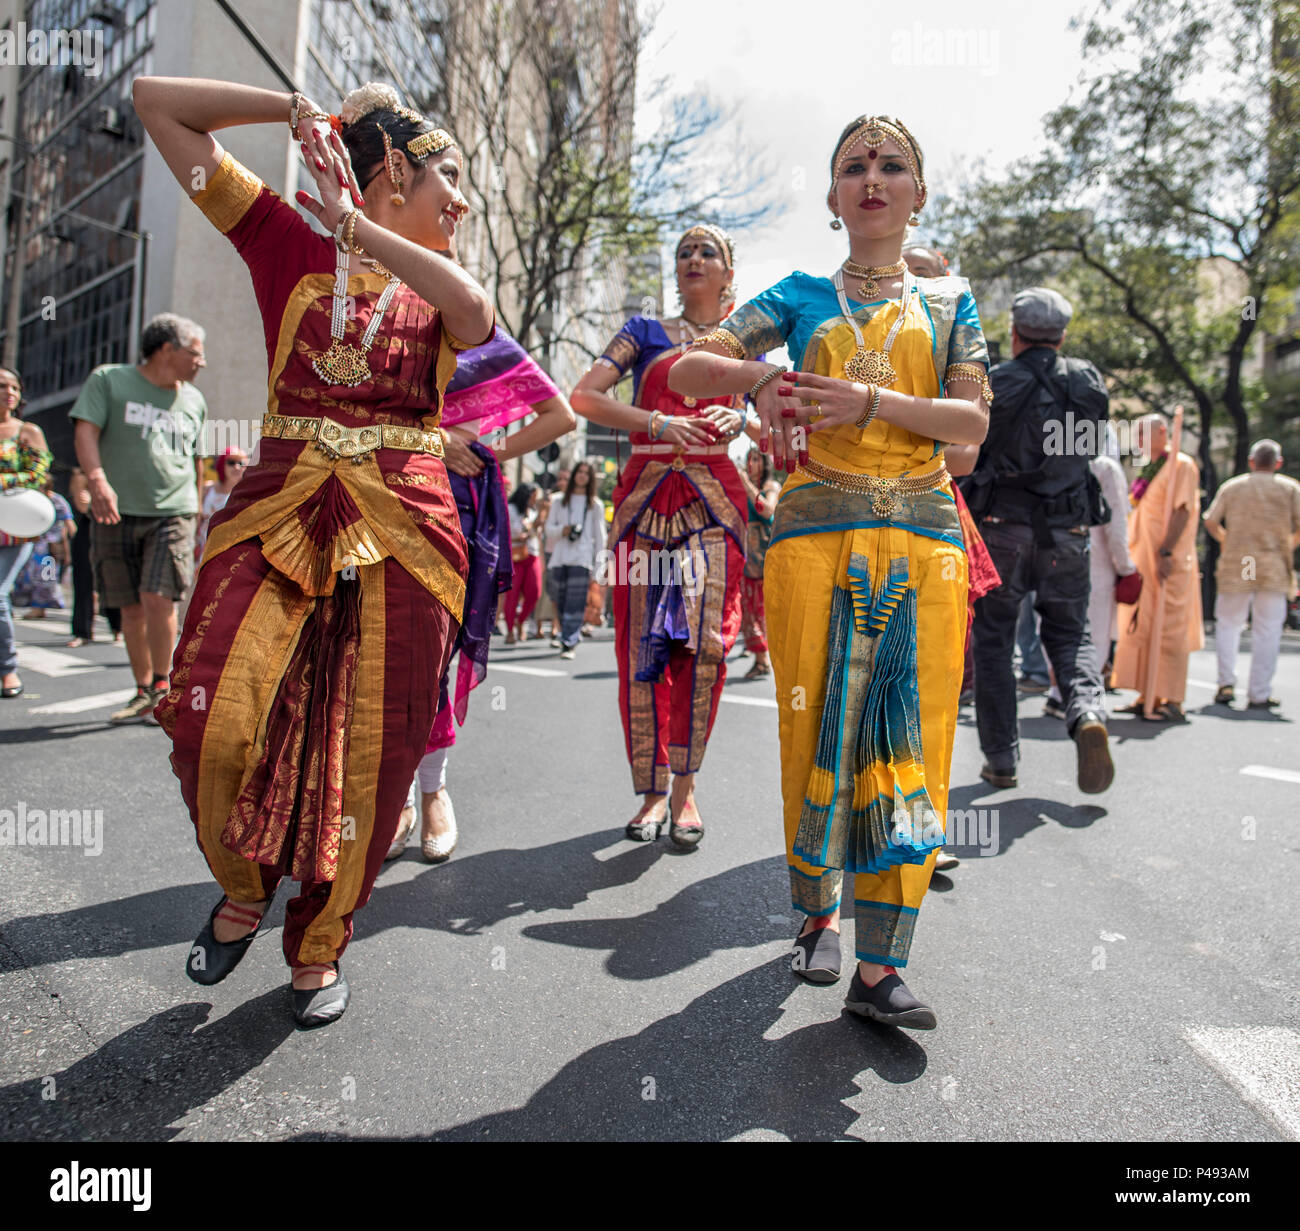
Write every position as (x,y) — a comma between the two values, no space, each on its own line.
(495,385)
(332,583)
(677,541)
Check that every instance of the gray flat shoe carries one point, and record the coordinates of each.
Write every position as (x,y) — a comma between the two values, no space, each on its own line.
(816,956)
(889,1002)
(318,1006)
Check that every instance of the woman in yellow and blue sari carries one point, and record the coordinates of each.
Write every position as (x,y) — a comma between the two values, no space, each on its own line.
(866,577)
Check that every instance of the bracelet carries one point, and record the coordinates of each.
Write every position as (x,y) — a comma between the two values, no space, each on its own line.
(345,232)
(770,375)
(299,111)
(873,405)
(658,429)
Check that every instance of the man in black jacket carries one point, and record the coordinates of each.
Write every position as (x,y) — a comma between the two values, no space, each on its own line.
(1034,499)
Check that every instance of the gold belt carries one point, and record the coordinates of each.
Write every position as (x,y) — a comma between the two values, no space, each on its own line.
(886,494)
(355,442)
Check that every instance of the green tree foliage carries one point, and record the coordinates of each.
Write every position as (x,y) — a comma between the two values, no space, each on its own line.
(1164,202)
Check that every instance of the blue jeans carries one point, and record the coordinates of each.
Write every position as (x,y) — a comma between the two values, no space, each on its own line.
(567,584)
(1033,666)
(12,560)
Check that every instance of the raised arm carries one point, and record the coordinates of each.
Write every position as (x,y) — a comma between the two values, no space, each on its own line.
(592,401)
(180,115)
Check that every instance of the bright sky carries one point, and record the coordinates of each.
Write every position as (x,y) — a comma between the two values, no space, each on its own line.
(971,81)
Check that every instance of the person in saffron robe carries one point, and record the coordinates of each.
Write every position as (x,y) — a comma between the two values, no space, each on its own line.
(332,583)
(677,541)
(866,577)
(495,385)
(1166,551)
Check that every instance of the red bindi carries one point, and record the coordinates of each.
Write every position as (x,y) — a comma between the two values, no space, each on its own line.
(871,153)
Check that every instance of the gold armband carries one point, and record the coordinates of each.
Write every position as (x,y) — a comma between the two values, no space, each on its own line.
(724,338)
(970,371)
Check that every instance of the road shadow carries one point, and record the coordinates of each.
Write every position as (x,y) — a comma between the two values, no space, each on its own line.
(709,1074)
(156,919)
(135,1086)
(1005,821)
(471,894)
(464,897)
(715,913)
(1229,713)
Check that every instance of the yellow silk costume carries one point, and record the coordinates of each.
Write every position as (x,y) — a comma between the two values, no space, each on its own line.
(866,616)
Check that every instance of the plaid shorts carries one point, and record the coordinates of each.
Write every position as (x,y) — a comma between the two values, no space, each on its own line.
(153,554)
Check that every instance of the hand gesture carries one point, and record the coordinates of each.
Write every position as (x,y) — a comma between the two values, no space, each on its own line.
(686,431)
(780,431)
(832,400)
(331,168)
(724,419)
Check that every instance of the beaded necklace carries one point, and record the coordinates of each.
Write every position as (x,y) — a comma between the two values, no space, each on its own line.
(344,364)
(872,367)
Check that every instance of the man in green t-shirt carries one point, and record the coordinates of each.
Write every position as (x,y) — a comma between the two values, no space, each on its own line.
(138,433)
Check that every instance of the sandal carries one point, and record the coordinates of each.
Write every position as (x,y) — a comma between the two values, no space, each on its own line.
(758,671)
(646,828)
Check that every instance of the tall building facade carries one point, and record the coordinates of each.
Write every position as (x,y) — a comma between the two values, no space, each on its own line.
(99,236)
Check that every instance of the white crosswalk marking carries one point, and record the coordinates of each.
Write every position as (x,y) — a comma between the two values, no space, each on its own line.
(519,669)
(1262,1062)
(79,705)
(1268,771)
(768,702)
(48,662)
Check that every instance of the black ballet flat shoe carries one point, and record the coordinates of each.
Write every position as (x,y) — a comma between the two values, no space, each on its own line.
(9,693)
(318,1006)
(645,830)
(816,956)
(686,837)
(210,960)
(890,1003)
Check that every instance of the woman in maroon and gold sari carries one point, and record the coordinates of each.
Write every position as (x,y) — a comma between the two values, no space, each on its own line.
(677,540)
(323,615)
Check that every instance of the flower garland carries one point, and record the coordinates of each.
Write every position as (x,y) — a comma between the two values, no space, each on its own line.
(1145,478)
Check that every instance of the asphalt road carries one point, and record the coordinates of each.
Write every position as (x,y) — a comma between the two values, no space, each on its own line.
(1118,967)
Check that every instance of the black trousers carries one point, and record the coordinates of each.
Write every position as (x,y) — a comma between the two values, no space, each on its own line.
(83,585)
(1060,578)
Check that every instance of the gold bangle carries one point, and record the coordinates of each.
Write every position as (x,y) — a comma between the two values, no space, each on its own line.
(873,405)
(349,231)
(970,371)
(724,338)
(298,113)
(770,375)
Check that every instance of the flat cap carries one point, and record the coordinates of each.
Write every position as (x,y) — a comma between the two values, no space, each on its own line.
(1040,314)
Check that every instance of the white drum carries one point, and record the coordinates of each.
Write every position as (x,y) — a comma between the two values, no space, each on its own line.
(26,513)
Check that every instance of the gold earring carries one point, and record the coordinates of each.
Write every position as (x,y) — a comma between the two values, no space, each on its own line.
(914,220)
(393,167)
(836,224)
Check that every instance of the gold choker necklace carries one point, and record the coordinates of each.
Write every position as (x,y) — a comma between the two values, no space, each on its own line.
(868,287)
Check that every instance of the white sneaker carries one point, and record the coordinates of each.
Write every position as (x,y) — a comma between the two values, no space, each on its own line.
(570,652)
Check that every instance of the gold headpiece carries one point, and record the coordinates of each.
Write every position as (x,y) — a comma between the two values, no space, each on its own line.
(377,96)
(873,132)
(430,142)
(706,230)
